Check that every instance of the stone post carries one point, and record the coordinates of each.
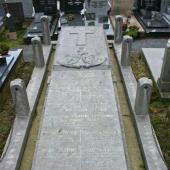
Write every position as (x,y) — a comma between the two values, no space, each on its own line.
(143,94)
(37,52)
(20,99)
(126,50)
(118,32)
(46,30)
(164,80)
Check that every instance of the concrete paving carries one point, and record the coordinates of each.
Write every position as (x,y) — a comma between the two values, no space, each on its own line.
(81,128)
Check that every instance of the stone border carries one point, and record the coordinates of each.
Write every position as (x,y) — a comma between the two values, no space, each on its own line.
(149,145)
(17,139)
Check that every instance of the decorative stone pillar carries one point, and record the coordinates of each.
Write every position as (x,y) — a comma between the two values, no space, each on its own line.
(20,99)
(46,30)
(118,32)
(164,80)
(126,50)
(38,55)
(143,94)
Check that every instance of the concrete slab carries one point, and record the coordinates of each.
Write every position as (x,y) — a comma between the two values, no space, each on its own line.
(82,47)
(149,145)
(80,127)
(154,59)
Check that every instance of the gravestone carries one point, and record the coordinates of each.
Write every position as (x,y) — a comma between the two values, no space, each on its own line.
(48,7)
(80,52)
(97,15)
(81,116)
(126,50)
(71,6)
(27,7)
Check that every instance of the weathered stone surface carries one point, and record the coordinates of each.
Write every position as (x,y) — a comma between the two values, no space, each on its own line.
(82,47)
(80,127)
(20,99)
(143,96)
(126,50)
(37,52)
(45,22)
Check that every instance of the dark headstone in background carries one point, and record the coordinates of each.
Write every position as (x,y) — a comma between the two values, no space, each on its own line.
(46,6)
(71,6)
(16,10)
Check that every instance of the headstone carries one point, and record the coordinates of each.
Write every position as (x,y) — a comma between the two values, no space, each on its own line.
(38,55)
(20,99)
(143,94)
(118,32)
(46,30)
(71,6)
(164,80)
(126,50)
(27,7)
(49,7)
(16,10)
(81,116)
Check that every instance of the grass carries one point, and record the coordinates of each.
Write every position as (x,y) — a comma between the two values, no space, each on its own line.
(158,108)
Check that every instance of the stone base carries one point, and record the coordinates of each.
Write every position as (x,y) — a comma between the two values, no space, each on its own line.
(154,61)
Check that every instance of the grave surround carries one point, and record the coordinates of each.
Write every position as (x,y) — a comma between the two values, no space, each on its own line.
(81,114)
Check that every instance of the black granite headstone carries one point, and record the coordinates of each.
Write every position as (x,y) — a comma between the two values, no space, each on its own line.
(49,7)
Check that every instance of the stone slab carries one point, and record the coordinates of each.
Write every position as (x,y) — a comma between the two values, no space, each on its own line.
(82,47)
(154,60)
(80,128)
(149,145)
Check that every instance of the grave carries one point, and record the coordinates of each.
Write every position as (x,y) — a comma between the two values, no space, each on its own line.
(35,29)
(153,15)
(155,61)
(26,4)
(81,114)
(8,65)
(97,15)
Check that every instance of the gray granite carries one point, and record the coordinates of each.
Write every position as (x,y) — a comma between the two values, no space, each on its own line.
(149,145)
(82,122)
(82,47)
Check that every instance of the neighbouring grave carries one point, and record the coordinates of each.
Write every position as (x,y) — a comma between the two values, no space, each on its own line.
(35,29)
(81,114)
(158,62)
(96,14)
(154,15)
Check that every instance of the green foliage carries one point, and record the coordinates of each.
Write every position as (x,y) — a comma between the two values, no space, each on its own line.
(133,31)
(4,48)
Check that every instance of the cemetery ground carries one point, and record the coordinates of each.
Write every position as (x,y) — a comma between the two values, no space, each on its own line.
(23,70)
(159,108)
